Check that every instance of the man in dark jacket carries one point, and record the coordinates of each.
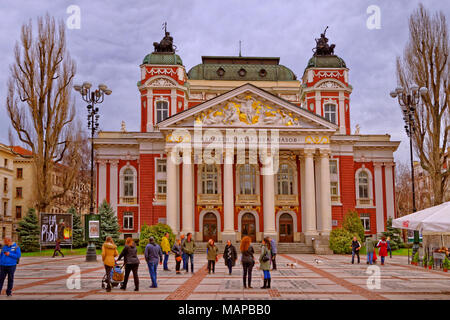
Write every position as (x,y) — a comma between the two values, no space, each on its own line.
(9,257)
(189,249)
(152,254)
(355,249)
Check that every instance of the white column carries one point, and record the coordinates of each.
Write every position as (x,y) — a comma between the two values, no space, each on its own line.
(113,188)
(101,184)
(228,199)
(150,111)
(342,113)
(318,103)
(302,191)
(325,196)
(310,201)
(379,196)
(269,200)
(188,193)
(171,196)
(389,179)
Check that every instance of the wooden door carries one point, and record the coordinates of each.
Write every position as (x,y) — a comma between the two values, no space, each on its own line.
(248,226)
(210,227)
(286,228)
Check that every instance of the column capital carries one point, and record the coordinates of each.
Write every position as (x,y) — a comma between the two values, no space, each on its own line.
(324,152)
(378,164)
(309,152)
(114,162)
(389,164)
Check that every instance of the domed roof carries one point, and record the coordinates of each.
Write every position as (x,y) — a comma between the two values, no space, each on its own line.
(163,58)
(326,61)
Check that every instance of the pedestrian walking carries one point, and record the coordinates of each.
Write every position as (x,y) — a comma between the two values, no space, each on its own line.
(178,251)
(273,253)
(109,252)
(211,255)
(369,250)
(131,261)
(388,241)
(9,257)
(153,254)
(247,260)
(183,256)
(382,245)
(230,256)
(165,247)
(356,246)
(264,262)
(189,250)
(57,249)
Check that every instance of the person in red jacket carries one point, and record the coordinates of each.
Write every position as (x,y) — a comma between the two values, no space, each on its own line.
(382,244)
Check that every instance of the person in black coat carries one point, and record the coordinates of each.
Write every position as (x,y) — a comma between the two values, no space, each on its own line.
(247,260)
(131,261)
(230,256)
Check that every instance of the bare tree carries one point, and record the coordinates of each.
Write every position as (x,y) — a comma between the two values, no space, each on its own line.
(425,63)
(40,107)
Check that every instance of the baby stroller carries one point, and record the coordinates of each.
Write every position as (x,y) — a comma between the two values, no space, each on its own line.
(117,276)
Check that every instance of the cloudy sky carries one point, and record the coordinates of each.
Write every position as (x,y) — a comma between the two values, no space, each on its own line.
(114,37)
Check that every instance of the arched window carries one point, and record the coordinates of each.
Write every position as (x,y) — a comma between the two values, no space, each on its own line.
(330,112)
(128,183)
(209,179)
(247,179)
(363,185)
(285,179)
(162,110)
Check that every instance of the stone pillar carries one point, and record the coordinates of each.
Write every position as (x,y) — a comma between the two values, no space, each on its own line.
(269,200)
(325,196)
(379,196)
(228,199)
(188,193)
(171,192)
(113,174)
(310,201)
(389,180)
(101,184)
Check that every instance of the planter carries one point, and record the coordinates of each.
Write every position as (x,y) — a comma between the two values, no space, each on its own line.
(445,270)
(429,267)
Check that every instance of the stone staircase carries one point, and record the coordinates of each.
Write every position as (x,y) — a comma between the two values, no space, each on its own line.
(293,247)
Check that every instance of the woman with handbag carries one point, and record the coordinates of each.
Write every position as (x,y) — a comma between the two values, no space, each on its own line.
(109,252)
(178,251)
(247,260)
(264,262)
(230,256)
(131,261)
(211,255)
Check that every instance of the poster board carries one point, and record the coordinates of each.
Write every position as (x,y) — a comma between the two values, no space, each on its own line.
(55,226)
(92,227)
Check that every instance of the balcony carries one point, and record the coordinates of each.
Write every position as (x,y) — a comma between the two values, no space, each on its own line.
(286,200)
(364,202)
(335,199)
(209,199)
(128,200)
(248,200)
(160,197)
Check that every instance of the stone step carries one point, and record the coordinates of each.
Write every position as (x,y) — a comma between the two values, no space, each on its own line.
(282,247)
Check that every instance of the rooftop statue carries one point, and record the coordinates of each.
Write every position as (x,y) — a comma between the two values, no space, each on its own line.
(166,44)
(322,47)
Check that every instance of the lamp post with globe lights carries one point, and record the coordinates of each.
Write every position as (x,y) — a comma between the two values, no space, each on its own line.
(408,101)
(92,97)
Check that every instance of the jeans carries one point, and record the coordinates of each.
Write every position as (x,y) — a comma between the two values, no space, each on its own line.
(190,257)
(56,251)
(128,269)
(382,259)
(355,252)
(370,257)
(230,265)
(274,262)
(152,266)
(183,257)
(177,265)
(108,270)
(7,271)
(266,274)
(248,267)
(166,259)
(211,266)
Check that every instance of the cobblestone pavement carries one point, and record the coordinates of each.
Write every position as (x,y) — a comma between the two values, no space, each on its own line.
(299,276)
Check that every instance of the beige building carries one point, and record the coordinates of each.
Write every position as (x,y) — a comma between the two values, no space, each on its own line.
(6,192)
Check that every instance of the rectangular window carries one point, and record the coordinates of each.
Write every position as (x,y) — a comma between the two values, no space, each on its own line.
(333,167)
(18,212)
(334,188)
(330,112)
(162,110)
(5,185)
(19,173)
(128,223)
(19,192)
(366,223)
(5,207)
(161,186)
(161,165)
(6,163)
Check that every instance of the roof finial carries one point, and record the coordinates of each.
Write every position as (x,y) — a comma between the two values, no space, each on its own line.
(165,26)
(240,55)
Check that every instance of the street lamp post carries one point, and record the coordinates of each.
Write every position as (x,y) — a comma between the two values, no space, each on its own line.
(408,101)
(92,98)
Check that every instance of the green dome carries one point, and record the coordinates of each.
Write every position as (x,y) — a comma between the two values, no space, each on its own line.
(163,58)
(330,61)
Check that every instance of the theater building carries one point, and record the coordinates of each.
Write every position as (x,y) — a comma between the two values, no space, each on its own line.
(323,169)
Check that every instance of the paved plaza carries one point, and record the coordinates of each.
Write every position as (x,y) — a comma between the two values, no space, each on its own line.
(312,277)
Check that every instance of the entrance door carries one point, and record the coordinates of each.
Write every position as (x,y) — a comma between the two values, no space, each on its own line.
(286,228)
(248,226)
(209,227)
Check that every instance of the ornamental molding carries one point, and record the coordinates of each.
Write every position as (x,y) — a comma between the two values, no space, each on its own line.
(196,96)
(289,97)
(330,85)
(161,71)
(161,82)
(328,74)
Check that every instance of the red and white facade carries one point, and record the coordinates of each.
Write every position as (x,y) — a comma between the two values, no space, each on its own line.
(323,169)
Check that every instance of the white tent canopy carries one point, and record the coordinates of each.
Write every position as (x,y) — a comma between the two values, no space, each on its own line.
(434,219)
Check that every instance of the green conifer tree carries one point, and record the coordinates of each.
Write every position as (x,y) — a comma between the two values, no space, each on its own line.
(77,229)
(353,224)
(394,235)
(109,225)
(29,232)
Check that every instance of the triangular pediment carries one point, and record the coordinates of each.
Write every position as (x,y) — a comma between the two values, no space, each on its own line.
(248,106)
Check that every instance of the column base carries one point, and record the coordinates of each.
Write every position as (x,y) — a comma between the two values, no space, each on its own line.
(310,237)
(228,235)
